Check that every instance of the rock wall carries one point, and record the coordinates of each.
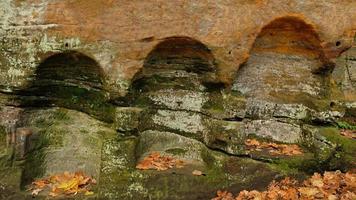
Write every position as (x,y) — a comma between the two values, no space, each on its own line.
(103,83)
(119,35)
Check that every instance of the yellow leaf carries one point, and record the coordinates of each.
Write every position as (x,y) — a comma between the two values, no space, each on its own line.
(87,193)
(73,183)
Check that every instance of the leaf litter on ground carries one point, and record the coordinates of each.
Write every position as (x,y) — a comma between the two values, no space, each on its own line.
(331,186)
(197,173)
(159,162)
(63,184)
(273,148)
(348,133)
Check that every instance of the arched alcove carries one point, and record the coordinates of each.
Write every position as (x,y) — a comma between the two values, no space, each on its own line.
(173,87)
(70,68)
(285,64)
(176,63)
(69,79)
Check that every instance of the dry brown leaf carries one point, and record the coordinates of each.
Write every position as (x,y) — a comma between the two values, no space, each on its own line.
(330,186)
(348,133)
(179,164)
(53,194)
(273,148)
(252,142)
(308,192)
(197,173)
(40,183)
(224,195)
(158,162)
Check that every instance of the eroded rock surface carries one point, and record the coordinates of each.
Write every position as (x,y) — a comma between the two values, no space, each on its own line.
(98,85)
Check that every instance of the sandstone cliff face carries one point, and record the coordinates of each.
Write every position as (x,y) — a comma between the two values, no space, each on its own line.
(114,80)
(119,35)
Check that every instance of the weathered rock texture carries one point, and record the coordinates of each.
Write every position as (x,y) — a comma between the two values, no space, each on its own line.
(100,84)
(119,35)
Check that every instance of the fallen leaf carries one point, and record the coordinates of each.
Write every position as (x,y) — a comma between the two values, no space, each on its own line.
(224,195)
(40,183)
(273,148)
(63,184)
(158,162)
(308,192)
(69,184)
(252,142)
(36,191)
(53,194)
(197,173)
(179,164)
(87,193)
(348,133)
(330,186)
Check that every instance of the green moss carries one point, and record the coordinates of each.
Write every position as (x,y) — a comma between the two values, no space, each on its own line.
(6,151)
(345,125)
(176,151)
(214,103)
(10,179)
(3,136)
(220,172)
(318,104)
(209,157)
(296,165)
(118,167)
(91,101)
(52,136)
(33,166)
(48,136)
(343,155)
(351,112)
(61,115)
(142,101)
(335,152)
(333,135)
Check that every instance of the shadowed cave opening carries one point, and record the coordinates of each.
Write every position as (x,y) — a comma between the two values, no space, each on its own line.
(286,64)
(70,80)
(177,63)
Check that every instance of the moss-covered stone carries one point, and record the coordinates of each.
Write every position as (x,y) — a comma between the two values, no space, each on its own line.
(331,151)
(91,101)
(189,124)
(3,137)
(72,137)
(174,99)
(343,154)
(171,144)
(10,179)
(345,125)
(72,80)
(127,119)
(228,136)
(274,129)
(220,172)
(117,164)
(6,151)
(225,105)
